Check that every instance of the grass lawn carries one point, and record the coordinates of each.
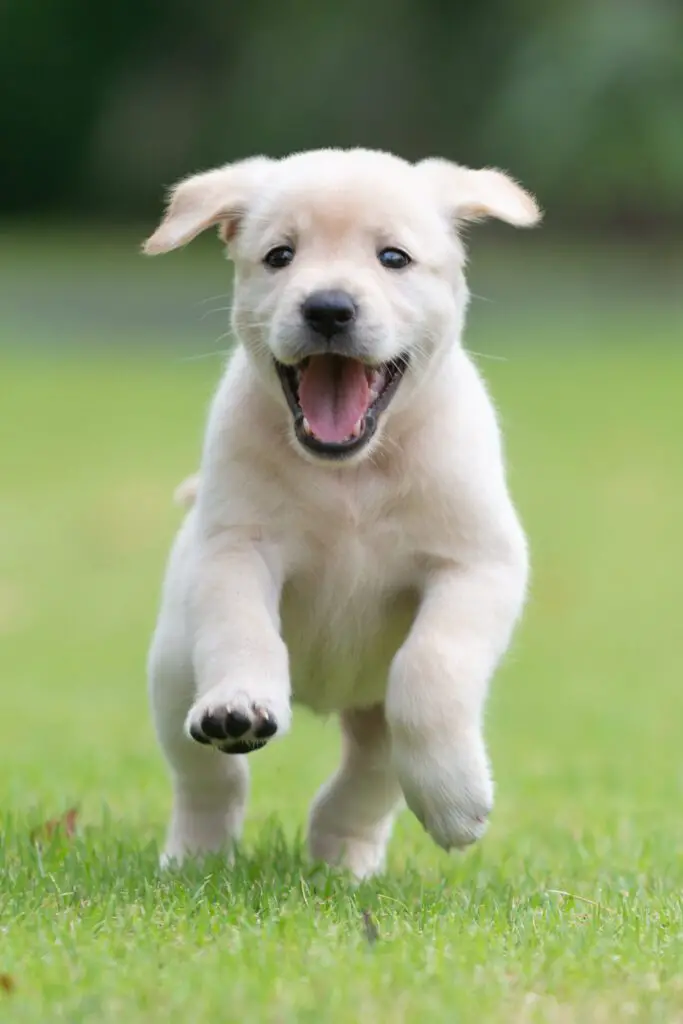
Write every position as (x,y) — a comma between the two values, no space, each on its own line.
(571,910)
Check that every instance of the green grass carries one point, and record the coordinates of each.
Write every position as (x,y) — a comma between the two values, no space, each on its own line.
(570,910)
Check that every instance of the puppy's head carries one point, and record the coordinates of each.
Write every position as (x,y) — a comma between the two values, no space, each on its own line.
(349,281)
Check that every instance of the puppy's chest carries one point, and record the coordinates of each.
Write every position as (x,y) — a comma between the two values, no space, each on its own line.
(346,611)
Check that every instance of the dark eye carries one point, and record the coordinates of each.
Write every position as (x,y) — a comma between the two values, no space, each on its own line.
(279,257)
(393,259)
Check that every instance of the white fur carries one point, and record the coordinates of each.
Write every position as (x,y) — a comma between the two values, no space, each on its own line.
(385,588)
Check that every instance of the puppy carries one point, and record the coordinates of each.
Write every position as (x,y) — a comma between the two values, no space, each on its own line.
(352,546)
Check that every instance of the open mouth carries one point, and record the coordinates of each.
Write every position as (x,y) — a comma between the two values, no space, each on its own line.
(336,401)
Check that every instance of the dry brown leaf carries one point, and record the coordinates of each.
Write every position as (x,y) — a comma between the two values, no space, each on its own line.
(7,984)
(370,928)
(66,825)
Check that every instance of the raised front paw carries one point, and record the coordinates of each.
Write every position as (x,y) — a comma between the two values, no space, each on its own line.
(236,723)
(449,791)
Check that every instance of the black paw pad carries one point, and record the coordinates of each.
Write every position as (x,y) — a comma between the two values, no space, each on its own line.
(197,734)
(214,725)
(236,724)
(266,728)
(234,731)
(243,747)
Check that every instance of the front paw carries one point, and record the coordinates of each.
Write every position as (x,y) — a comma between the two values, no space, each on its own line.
(236,722)
(449,790)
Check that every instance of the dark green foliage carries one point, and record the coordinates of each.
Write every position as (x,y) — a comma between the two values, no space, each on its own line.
(101,105)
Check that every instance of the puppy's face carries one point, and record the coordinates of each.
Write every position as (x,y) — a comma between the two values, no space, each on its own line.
(349,280)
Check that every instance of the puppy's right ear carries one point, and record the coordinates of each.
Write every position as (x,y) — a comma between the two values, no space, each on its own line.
(199,202)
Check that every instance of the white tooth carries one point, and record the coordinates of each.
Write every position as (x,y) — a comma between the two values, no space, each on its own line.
(307,427)
(358,429)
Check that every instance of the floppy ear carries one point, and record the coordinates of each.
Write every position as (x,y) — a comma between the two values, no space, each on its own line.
(474,195)
(214,197)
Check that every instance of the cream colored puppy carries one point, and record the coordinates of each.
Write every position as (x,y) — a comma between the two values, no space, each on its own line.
(352,546)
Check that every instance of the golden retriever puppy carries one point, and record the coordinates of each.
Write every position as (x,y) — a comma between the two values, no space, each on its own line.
(351,545)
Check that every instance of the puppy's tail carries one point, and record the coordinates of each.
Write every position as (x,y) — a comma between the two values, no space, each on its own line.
(186,493)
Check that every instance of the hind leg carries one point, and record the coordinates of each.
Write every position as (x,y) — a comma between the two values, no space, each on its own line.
(352,815)
(209,787)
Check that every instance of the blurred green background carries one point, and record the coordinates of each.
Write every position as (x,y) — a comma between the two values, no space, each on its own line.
(100,105)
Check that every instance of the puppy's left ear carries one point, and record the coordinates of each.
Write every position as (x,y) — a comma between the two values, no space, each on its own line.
(218,197)
(470,195)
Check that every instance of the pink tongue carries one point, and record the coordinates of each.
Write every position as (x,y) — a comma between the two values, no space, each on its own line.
(333,394)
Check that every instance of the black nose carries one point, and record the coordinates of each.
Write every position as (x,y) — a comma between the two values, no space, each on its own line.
(329,312)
